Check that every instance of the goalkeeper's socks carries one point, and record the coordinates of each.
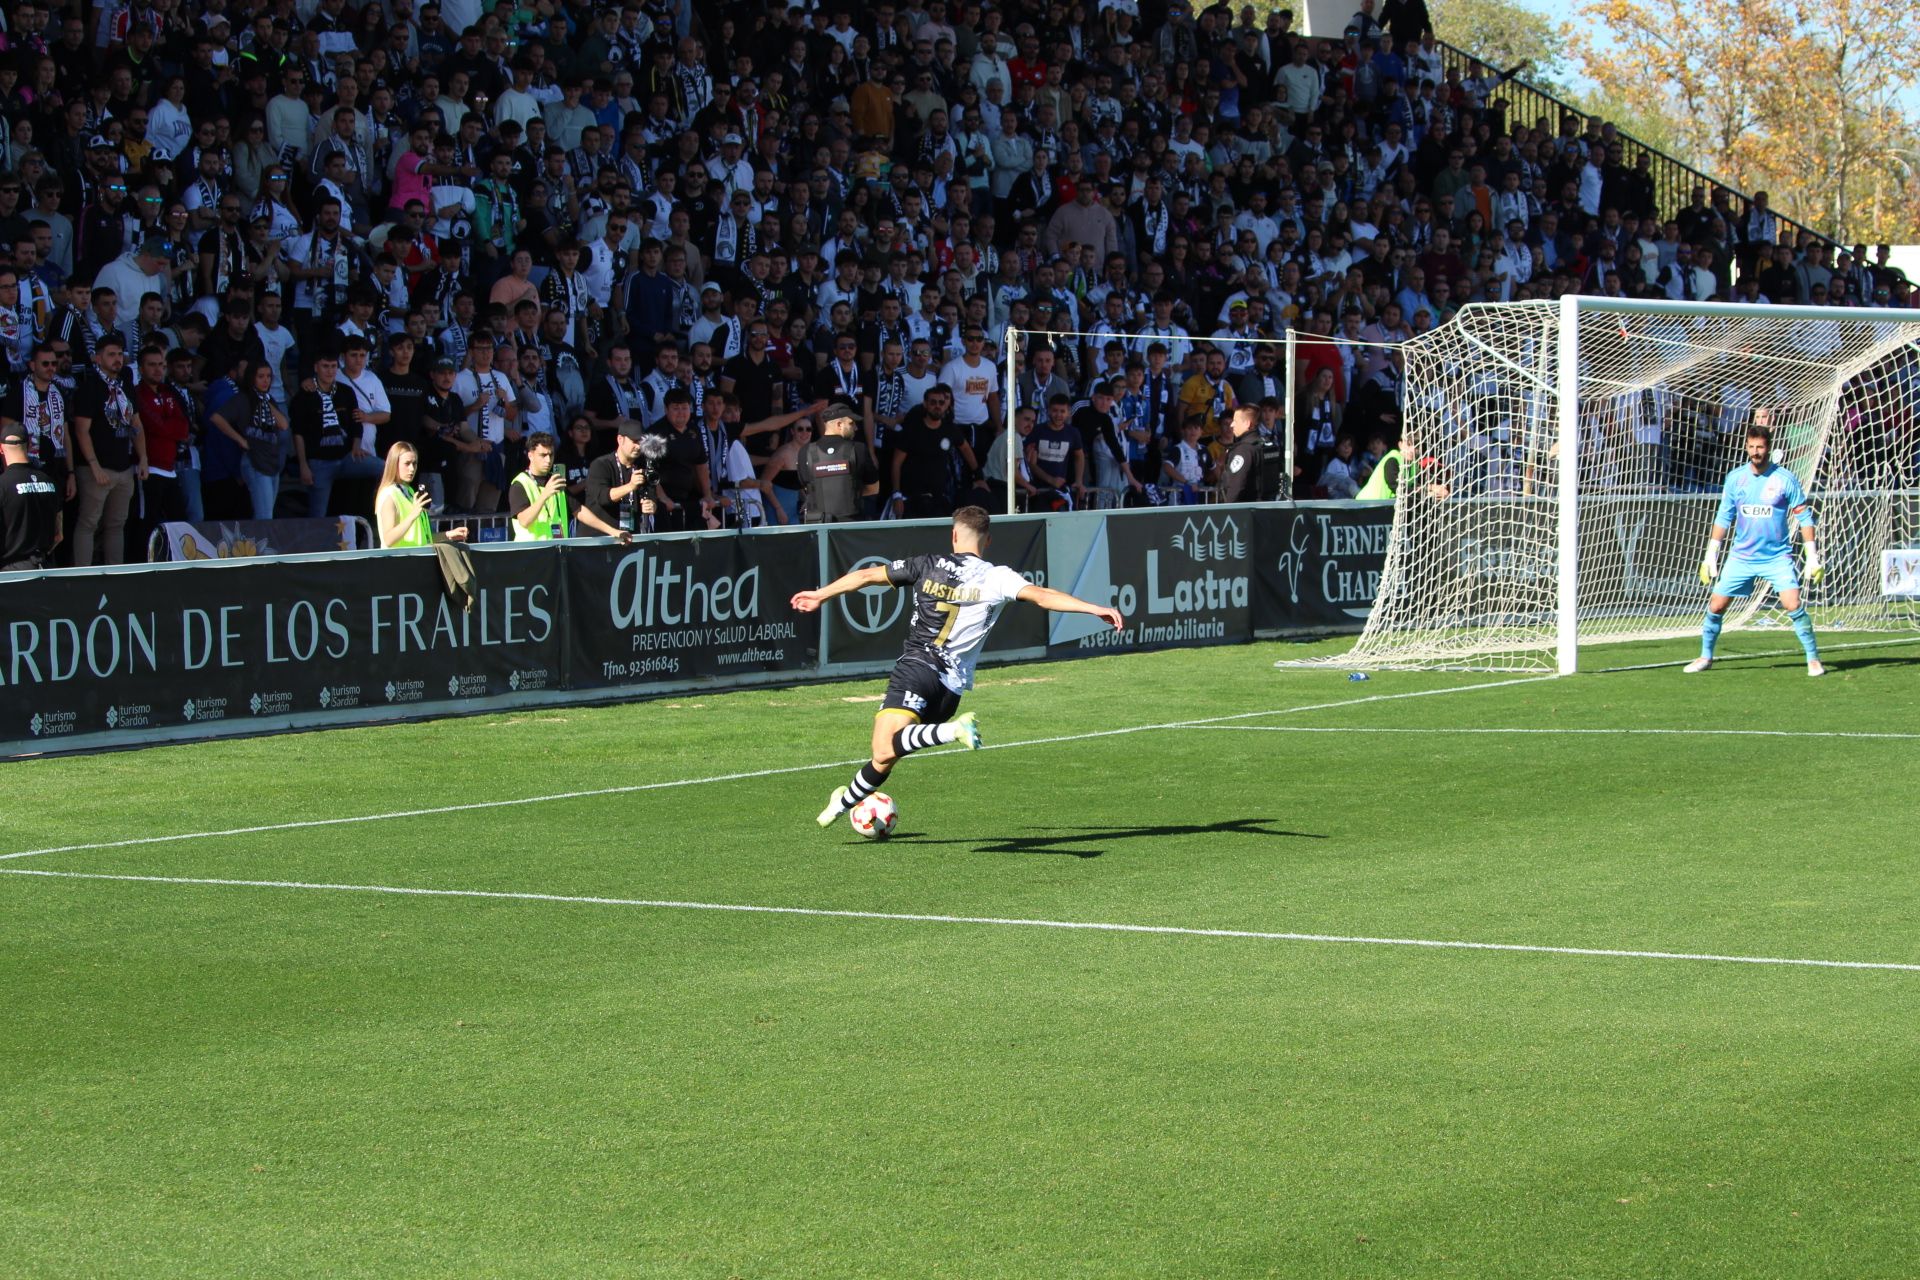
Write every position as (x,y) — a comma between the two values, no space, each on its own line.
(917,736)
(864,784)
(1803,627)
(1710,632)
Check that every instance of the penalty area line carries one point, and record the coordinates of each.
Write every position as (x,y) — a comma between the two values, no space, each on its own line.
(743,776)
(1009,922)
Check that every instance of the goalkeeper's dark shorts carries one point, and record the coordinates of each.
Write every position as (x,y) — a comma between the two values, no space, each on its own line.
(916,688)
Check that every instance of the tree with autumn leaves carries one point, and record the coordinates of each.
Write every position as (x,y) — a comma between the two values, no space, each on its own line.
(1799,98)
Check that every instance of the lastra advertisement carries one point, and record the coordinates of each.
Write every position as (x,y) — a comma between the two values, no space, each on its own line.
(1182,577)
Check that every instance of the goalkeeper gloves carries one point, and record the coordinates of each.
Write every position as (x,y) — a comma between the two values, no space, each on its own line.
(1815,570)
(1710,566)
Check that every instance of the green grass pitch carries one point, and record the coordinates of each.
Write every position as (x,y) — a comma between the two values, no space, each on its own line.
(292,1077)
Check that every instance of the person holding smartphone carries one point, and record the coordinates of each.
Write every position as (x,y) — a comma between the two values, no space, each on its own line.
(405,513)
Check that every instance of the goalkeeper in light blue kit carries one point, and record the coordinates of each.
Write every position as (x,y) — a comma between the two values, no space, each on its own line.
(1759,503)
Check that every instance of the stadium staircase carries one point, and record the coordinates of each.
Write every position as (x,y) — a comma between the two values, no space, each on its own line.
(1673,179)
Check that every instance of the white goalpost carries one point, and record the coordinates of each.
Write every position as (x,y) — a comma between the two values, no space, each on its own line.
(1565,465)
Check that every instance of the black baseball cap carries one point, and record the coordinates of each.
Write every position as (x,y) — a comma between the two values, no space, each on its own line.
(631,430)
(836,411)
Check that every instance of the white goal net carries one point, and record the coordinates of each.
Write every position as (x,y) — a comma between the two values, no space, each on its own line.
(1570,457)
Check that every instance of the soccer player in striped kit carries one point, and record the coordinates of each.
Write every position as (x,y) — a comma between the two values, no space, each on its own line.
(957,598)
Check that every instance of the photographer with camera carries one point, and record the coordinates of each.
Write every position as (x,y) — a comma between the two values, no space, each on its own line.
(621,488)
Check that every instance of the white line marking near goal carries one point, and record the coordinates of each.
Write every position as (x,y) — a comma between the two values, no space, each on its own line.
(1763,653)
(1020,922)
(633,788)
(1676,733)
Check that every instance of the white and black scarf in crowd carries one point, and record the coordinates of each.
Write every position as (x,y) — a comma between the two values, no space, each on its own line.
(210,192)
(889,393)
(686,304)
(847,381)
(355,153)
(653,392)
(453,340)
(45,419)
(639,181)
(329,291)
(33,292)
(885,333)
(734,239)
(624,397)
(231,255)
(585,168)
(693,89)
(717,443)
(564,293)
(1155,219)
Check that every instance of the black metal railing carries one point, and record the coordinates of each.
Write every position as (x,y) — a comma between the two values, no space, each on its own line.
(1674,180)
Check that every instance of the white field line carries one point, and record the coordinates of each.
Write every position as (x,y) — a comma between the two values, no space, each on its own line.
(1676,733)
(1794,652)
(632,788)
(1020,922)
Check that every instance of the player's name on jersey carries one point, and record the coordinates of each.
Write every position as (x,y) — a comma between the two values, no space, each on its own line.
(950,591)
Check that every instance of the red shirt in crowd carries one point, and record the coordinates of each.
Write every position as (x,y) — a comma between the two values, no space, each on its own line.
(163,418)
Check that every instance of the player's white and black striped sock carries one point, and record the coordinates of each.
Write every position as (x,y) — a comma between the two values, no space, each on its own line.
(917,736)
(864,784)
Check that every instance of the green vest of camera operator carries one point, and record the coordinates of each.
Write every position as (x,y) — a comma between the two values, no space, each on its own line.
(550,514)
(419,531)
(1377,488)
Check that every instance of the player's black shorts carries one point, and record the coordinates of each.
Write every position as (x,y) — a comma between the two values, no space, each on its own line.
(914,686)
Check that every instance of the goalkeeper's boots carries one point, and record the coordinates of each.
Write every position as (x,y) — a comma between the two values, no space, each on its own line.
(1698,665)
(836,805)
(1814,667)
(969,730)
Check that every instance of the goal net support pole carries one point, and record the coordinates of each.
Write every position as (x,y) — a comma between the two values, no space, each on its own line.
(1012,436)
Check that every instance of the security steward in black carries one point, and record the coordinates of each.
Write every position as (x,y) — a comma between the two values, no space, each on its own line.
(1240,469)
(29,508)
(836,470)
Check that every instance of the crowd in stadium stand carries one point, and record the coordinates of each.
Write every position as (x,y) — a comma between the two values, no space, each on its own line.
(255,243)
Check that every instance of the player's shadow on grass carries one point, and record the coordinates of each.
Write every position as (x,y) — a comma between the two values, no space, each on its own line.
(1083,836)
